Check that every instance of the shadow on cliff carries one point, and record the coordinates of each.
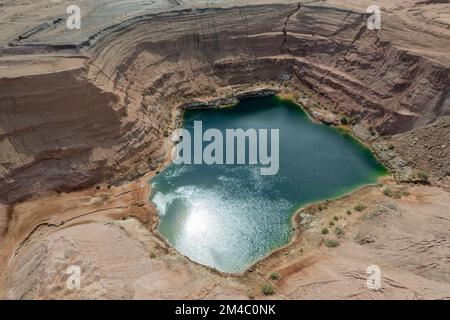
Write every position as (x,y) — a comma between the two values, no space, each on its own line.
(57,132)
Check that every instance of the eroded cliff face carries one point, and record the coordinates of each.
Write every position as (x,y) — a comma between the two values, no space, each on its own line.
(59,131)
(104,121)
(362,72)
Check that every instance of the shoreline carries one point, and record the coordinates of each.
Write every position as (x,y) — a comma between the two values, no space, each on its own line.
(143,181)
(254,274)
(222,102)
(295,217)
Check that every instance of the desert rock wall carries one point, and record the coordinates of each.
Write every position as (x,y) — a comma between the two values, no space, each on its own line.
(105,121)
(330,50)
(59,132)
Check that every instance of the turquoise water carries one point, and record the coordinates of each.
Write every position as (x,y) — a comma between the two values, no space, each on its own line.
(229,216)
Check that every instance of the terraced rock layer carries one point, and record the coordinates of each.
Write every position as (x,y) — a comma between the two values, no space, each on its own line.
(104,120)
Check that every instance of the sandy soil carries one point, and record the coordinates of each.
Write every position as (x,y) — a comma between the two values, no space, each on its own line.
(405,237)
(102,231)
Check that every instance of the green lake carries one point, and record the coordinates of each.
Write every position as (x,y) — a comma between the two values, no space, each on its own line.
(229,216)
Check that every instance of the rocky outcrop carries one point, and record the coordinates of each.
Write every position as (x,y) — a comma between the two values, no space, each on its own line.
(228,100)
(60,132)
(371,77)
(425,149)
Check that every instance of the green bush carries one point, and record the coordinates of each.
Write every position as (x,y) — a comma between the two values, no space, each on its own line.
(422,176)
(360,207)
(97,187)
(338,231)
(152,255)
(349,212)
(275,276)
(331,243)
(166,133)
(404,192)
(267,289)
(336,218)
(388,192)
(344,120)
(324,231)
(396,194)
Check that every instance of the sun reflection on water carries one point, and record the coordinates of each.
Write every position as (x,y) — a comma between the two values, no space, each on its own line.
(198,222)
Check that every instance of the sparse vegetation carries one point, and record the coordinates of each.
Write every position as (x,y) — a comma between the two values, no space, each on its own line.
(387,192)
(166,133)
(324,231)
(275,276)
(331,243)
(396,194)
(267,289)
(349,212)
(344,120)
(152,255)
(98,187)
(404,192)
(360,207)
(335,218)
(338,231)
(250,294)
(331,223)
(422,176)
